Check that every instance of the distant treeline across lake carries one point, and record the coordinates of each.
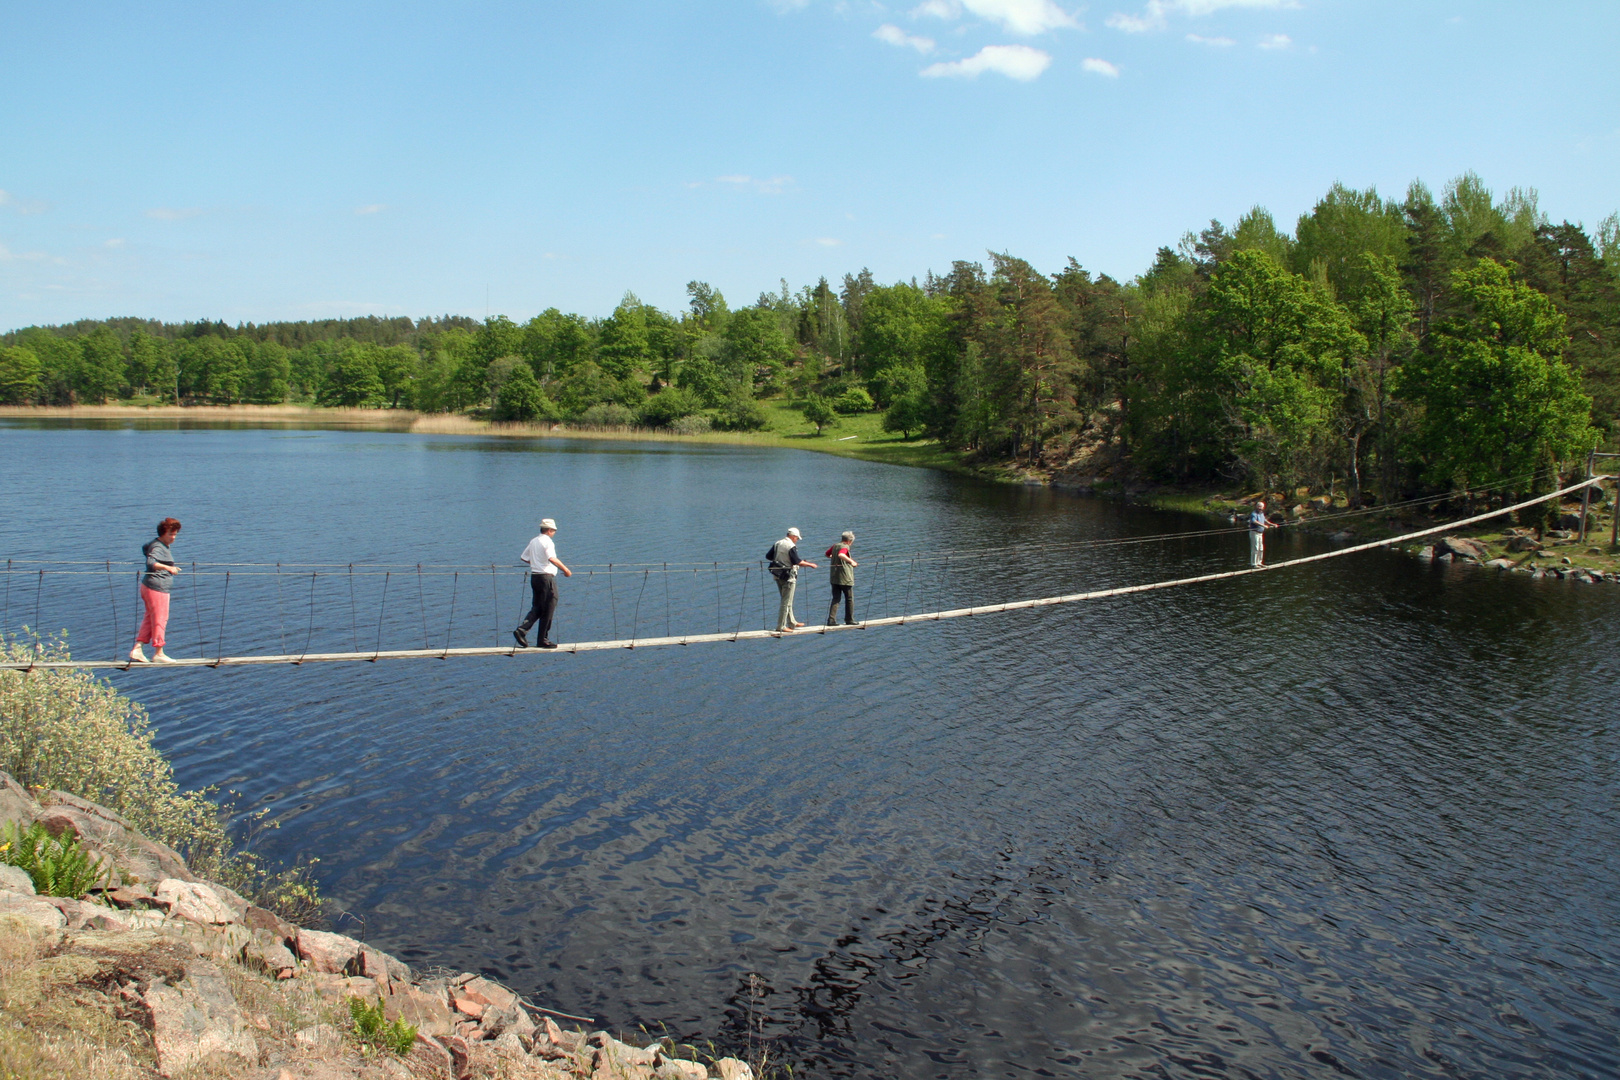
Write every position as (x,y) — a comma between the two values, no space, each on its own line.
(1382,346)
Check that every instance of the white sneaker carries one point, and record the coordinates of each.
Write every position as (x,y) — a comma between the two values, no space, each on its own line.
(161,657)
(137,655)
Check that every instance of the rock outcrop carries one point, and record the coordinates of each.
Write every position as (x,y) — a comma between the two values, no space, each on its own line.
(191,975)
(1463,548)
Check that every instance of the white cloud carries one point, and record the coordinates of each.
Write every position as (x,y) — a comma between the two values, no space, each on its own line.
(1023,16)
(1276,41)
(1217,42)
(1100,67)
(1014,61)
(115,242)
(23,206)
(895,36)
(828,241)
(773,185)
(1026,17)
(7,255)
(370,208)
(1134,24)
(1156,15)
(1210,7)
(164,213)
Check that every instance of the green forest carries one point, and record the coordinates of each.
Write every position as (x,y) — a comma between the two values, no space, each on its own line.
(1389,345)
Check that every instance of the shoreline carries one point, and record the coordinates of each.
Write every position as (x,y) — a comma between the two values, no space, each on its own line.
(885,449)
(1211,502)
(201,976)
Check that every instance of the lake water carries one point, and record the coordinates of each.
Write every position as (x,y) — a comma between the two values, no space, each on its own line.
(1357,817)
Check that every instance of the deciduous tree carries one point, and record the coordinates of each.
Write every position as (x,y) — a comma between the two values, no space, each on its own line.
(19,375)
(1497,398)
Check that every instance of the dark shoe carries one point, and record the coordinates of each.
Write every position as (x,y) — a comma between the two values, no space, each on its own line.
(546,643)
(521,636)
(832,622)
(851,622)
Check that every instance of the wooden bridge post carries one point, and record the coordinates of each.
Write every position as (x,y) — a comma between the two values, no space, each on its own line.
(1586,492)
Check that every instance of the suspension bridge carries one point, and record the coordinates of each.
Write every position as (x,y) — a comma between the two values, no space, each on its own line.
(20,657)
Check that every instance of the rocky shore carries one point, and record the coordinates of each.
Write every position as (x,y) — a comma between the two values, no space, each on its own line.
(1522,552)
(157,973)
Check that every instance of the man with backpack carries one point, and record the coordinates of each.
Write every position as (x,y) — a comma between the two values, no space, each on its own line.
(785,563)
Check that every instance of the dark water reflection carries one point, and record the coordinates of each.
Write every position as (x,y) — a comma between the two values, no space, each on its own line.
(1358,817)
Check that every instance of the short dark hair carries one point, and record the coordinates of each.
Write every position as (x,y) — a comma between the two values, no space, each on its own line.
(168,524)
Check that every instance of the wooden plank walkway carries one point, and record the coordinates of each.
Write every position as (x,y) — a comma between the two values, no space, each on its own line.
(572,648)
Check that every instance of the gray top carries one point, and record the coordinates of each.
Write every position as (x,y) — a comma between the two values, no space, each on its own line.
(157,579)
(785,559)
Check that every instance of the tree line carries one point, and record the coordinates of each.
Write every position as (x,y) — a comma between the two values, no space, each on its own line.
(1389,344)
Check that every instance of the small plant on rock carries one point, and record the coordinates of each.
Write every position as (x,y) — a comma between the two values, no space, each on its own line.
(375,1033)
(58,867)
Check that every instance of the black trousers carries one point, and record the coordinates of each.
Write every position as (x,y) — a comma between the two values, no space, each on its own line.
(848,592)
(544,587)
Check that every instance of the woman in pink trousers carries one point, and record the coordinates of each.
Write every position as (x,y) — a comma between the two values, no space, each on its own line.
(155,583)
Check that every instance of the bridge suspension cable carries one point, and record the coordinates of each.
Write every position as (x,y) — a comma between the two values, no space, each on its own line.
(739,634)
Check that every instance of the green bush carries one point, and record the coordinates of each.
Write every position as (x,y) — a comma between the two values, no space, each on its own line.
(71,731)
(520,398)
(607,414)
(696,424)
(908,413)
(291,893)
(668,406)
(740,414)
(58,867)
(375,1033)
(820,412)
(854,400)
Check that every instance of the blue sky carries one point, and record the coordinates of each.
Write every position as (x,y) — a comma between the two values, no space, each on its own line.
(305,161)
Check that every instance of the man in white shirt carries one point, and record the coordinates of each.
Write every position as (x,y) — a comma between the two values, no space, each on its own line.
(541,555)
(1258,524)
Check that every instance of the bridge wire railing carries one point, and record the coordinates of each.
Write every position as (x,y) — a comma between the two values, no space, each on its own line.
(682,585)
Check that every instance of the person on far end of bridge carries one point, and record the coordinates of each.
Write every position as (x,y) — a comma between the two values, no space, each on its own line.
(842,568)
(541,555)
(785,563)
(1258,524)
(155,584)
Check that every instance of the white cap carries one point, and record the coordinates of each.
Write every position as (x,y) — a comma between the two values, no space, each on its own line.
(547,523)
(793,533)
